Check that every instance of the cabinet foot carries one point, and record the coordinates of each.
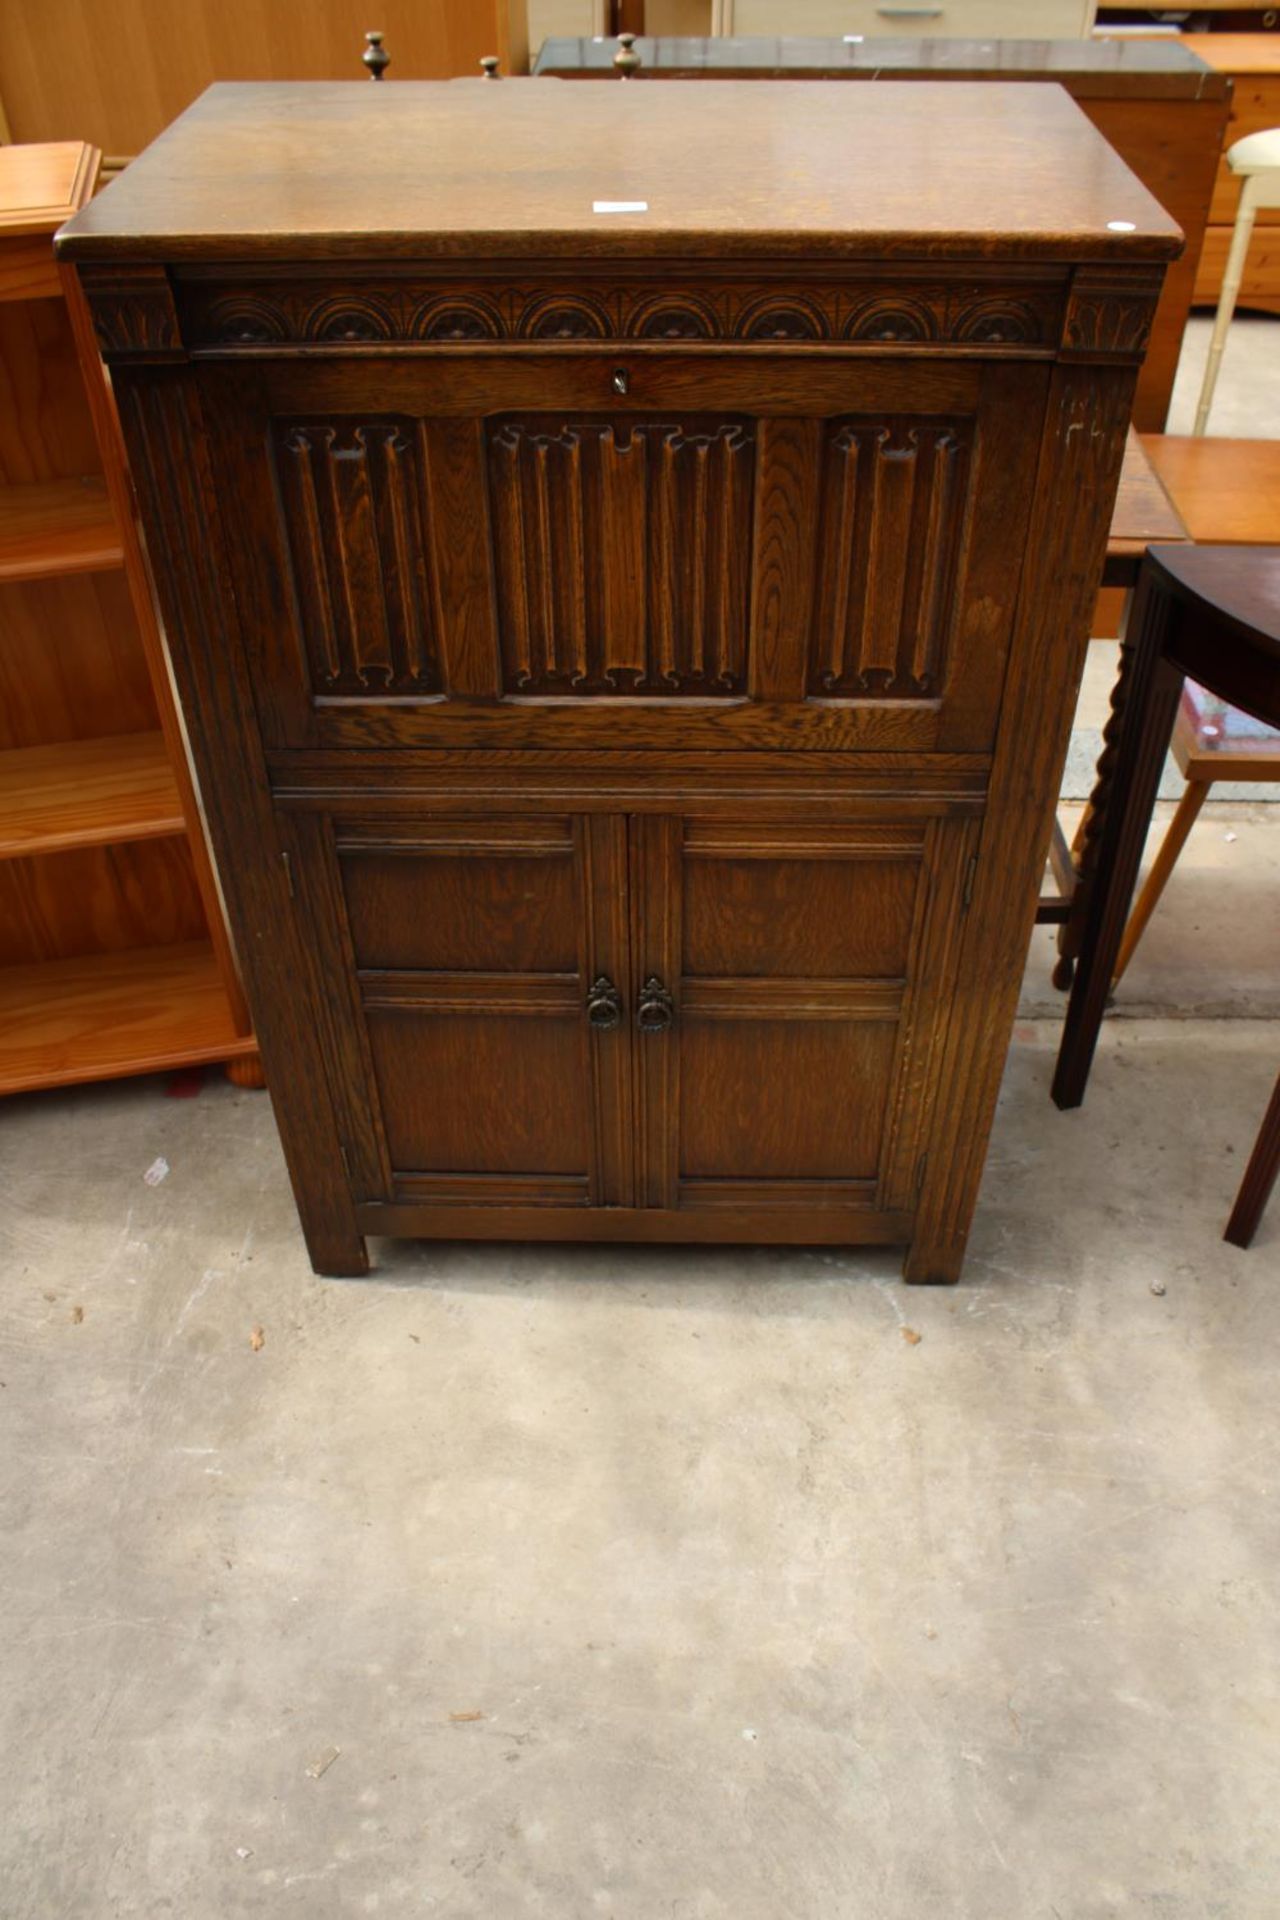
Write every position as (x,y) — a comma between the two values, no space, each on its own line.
(338,1256)
(924,1266)
(246,1071)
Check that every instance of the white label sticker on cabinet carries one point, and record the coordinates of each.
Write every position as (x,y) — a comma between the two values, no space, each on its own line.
(619,206)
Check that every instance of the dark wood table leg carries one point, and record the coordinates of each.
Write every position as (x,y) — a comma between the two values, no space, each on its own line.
(1259,1178)
(1084,848)
(1123,801)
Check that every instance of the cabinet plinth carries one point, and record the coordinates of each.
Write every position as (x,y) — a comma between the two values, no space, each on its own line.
(629,658)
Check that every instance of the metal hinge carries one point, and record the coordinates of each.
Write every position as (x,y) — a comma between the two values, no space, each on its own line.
(288,872)
(969,874)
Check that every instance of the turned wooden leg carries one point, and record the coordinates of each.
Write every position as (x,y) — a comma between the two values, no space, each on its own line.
(246,1071)
(1179,827)
(1232,274)
(1259,1178)
(1088,836)
(1154,687)
(1138,745)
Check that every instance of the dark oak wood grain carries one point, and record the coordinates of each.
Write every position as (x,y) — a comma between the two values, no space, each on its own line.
(629,664)
(1162,108)
(351,168)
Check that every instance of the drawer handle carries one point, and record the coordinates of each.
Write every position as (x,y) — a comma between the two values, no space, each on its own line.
(910,13)
(656,1009)
(621,380)
(604,1004)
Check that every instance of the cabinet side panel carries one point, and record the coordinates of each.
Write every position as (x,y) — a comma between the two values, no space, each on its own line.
(165,434)
(1075,487)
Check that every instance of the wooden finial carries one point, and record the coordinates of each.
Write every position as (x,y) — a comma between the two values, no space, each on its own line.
(375,56)
(626,59)
(489,67)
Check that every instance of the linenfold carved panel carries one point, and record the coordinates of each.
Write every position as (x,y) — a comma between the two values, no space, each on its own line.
(894,498)
(352,495)
(622,552)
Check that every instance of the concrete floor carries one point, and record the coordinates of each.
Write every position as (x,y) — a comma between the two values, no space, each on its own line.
(636,1583)
(518,1582)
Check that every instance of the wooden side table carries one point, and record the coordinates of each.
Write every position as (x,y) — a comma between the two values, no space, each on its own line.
(1212,615)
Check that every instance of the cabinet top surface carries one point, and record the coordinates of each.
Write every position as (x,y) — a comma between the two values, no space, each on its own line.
(464,168)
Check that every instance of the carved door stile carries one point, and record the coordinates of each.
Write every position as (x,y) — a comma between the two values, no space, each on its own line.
(237,410)
(461,542)
(949,846)
(786,557)
(311,847)
(605,946)
(656,941)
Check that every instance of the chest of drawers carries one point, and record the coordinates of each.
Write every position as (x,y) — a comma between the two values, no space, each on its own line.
(967,19)
(628,655)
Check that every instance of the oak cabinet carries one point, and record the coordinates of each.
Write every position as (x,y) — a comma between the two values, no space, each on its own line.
(629,655)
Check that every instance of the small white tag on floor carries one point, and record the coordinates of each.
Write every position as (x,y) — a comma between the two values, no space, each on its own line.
(619,206)
(156,1172)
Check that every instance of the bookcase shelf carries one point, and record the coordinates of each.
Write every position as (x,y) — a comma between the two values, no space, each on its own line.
(101,840)
(87,793)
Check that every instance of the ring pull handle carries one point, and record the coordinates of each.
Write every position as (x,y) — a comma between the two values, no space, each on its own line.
(604,1004)
(655,1009)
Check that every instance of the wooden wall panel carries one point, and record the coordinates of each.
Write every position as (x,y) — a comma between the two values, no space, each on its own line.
(117,75)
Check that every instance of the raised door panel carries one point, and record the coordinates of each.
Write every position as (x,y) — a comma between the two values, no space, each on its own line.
(808,970)
(653,551)
(455,965)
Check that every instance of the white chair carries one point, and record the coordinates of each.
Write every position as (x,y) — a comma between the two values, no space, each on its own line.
(1256,159)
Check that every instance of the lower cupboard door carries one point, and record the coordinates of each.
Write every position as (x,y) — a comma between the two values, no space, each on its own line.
(792,981)
(473,984)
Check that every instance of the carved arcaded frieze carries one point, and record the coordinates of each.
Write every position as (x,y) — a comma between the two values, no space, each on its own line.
(361,313)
